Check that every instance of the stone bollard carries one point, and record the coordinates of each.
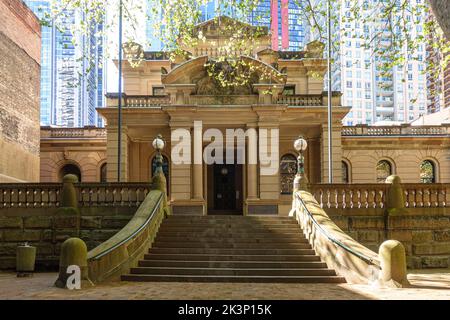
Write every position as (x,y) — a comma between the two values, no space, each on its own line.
(73,266)
(393,264)
(395,198)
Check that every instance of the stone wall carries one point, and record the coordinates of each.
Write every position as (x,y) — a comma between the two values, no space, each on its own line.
(46,230)
(425,232)
(405,154)
(20,44)
(19,23)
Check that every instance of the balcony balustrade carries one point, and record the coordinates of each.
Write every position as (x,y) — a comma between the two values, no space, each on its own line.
(406,130)
(47,195)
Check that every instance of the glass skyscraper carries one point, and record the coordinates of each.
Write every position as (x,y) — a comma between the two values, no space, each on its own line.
(71,88)
(260,16)
(298,27)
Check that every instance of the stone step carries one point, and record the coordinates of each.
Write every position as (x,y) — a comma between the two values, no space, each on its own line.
(208,223)
(232,264)
(233,271)
(261,251)
(236,229)
(231,222)
(231,233)
(233,217)
(255,279)
(229,245)
(231,257)
(231,249)
(231,239)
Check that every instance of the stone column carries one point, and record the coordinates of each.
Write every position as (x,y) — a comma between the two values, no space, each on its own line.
(197,168)
(269,183)
(252,162)
(135,168)
(180,180)
(112,154)
(336,153)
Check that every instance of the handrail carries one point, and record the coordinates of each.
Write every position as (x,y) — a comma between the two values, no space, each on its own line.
(147,221)
(332,239)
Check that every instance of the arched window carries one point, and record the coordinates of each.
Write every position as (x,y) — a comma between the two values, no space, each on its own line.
(288,170)
(384,170)
(165,167)
(70,169)
(345,172)
(427,172)
(103,169)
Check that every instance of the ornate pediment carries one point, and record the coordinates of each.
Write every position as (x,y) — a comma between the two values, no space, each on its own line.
(224,26)
(224,76)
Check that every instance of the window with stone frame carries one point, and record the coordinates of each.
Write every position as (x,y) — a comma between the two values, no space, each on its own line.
(345,172)
(70,169)
(158,91)
(288,170)
(289,90)
(427,172)
(384,170)
(103,170)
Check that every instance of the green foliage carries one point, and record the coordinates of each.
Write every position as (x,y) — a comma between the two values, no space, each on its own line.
(393,38)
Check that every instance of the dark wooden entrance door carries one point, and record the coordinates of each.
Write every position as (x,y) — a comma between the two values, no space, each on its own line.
(227,188)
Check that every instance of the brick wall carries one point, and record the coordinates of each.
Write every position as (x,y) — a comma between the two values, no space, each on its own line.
(47,231)
(19,92)
(425,233)
(18,23)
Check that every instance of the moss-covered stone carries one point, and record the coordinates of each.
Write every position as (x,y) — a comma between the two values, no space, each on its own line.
(73,253)
(395,199)
(26,258)
(69,194)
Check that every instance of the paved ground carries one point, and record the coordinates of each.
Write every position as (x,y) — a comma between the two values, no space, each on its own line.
(431,285)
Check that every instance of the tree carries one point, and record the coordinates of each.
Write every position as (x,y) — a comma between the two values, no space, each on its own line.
(441,9)
(391,41)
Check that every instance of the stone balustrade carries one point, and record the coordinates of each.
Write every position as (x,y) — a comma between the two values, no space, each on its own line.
(427,195)
(402,130)
(351,196)
(339,196)
(142,101)
(47,195)
(357,263)
(85,132)
(114,257)
(301,100)
(32,195)
(112,194)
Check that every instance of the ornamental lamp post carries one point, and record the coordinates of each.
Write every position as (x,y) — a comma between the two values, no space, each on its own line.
(300,181)
(158,144)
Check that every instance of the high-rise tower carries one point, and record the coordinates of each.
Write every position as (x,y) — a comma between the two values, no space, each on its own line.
(71,88)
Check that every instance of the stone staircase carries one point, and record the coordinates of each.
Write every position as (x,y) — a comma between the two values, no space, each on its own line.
(231,249)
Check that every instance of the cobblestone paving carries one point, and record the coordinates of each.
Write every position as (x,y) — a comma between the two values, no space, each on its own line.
(432,285)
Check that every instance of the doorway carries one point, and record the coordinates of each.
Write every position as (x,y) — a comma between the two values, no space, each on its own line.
(225,189)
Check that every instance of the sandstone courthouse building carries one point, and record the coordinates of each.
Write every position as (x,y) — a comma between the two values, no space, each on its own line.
(284,98)
(287,94)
